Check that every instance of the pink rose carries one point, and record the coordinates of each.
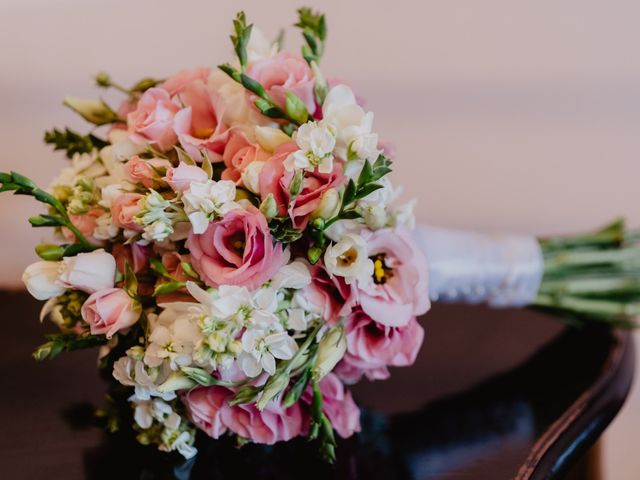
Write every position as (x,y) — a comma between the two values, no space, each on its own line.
(238,154)
(178,82)
(109,311)
(86,224)
(181,177)
(284,73)
(237,250)
(199,125)
(275,179)
(152,120)
(123,210)
(210,411)
(135,254)
(398,290)
(373,346)
(337,405)
(146,171)
(329,293)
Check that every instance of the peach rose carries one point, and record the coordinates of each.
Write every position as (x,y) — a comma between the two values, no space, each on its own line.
(146,171)
(181,177)
(123,210)
(238,154)
(152,120)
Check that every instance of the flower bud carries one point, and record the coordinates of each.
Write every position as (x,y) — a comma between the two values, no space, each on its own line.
(251,176)
(330,351)
(41,280)
(93,111)
(274,387)
(270,138)
(89,272)
(176,381)
(268,207)
(329,205)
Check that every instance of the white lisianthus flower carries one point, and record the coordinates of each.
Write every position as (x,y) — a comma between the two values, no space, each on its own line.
(251,176)
(207,201)
(352,124)
(331,349)
(349,258)
(41,280)
(261,348)
(89,272)
(316,141)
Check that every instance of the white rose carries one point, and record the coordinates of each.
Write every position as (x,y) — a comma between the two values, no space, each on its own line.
(40,278)
(349,258)
(89,272)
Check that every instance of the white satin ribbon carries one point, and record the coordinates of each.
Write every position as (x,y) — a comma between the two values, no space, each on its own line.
(469,267)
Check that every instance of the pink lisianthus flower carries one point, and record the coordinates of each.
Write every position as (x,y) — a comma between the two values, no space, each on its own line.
(238,154)
(284,73)
(210,411)
(177,83)
(124,208)
(199,125)
(276,180)
(181,177)
(329,294)
(152,120)
(109,311)
(372,347)
(236,250)
(337,405)
(398,289)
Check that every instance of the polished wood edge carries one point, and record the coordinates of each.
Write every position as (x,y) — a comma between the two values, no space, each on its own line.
(606,395)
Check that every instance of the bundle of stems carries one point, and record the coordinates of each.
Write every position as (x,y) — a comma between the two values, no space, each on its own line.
(593,276)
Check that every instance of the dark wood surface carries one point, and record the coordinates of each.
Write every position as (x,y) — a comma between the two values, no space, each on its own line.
(493,395)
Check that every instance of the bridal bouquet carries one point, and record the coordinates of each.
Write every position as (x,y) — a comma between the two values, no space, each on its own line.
(232,242)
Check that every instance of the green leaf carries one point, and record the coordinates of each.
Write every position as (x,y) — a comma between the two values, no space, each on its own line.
(381,167)
(253,85)
(365,174)
(168,287)
(246,394)
(232,72)
(145,84)
(349,193)
(130,280)
(66,342)
(268,109)
(184,157)
(72,142)
(296,109)
(206,165)
(157,266)
(314,31)
(367,190)
(298,388)
(187,268)
(241,38)
(313,254)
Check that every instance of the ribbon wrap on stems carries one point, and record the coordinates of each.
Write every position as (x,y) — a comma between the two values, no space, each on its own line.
(498,269)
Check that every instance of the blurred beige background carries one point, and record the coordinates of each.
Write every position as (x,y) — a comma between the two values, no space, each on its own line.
(520,116)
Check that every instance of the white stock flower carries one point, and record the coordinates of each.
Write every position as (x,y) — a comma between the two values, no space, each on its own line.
(154,217)
(261,348)
(173,336)
(41,280)
(105,228)
(316,141)
(81,165)
(349,258)
(352,124)
(208,201)
(133,372)
(122,147)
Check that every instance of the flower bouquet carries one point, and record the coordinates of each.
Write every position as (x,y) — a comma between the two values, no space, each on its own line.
(233,244)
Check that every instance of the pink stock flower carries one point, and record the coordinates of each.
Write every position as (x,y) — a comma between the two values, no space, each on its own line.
(329,293)
(238,154)
(135,254)
(146,171)
(276,180)
(199,125)
(337,405)
(372,347)
(181,177)
(109,311)
(123,210)
(398,290)
(284,73)
(210,411)
(237,250)
(152,120)
(178,82)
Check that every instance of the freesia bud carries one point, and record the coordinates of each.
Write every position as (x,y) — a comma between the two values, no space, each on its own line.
(251,176)
(176,381)
(40,278)
(271,138)
(93,111)
(330,351)
(329,205)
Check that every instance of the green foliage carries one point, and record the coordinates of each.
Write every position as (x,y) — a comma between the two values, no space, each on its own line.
(314,31)
(66,342)
(321,429)
(72,142)
(240,39)
(283,231)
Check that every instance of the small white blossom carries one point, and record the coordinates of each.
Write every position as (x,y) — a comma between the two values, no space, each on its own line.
(316,141)
(105,228)
(133,372)
(349,258)
(261,348)
(208,201)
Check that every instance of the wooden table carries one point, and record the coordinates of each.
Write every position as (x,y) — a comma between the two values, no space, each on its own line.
(493,395)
